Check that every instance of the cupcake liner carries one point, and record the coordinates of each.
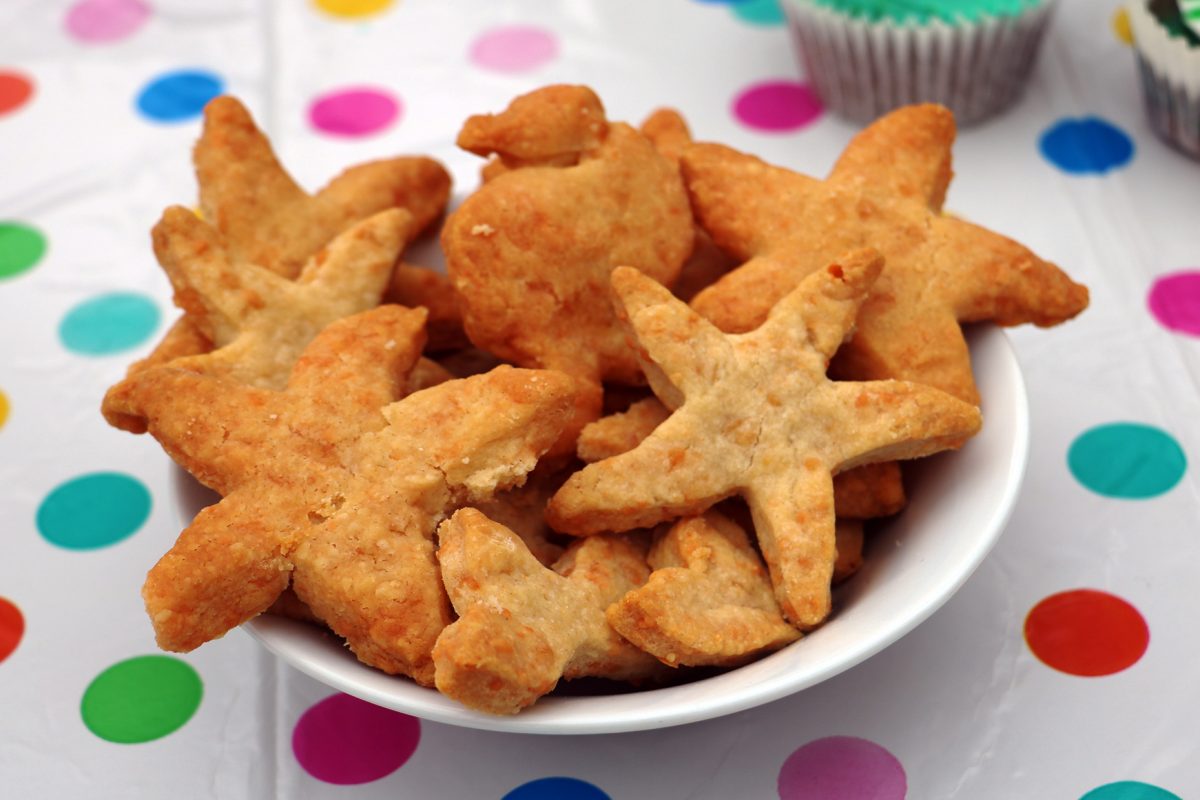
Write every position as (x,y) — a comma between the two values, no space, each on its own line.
(1170,78)
(862,69)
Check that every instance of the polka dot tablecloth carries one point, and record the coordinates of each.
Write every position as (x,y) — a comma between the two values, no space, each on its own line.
(1065,669)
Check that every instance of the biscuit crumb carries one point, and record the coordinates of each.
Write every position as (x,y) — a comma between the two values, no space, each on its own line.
(390,344)
(273,416)
(482,229)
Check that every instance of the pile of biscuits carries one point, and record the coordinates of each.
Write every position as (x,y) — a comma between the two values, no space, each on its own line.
(636,425)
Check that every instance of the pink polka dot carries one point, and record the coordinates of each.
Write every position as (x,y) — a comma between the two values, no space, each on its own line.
(777,106)
(105,20)
(344,740)
(355,111)
(842,768)
(1174,301)
(515,48)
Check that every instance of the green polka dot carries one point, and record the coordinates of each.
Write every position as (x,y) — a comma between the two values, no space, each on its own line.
(759,12)
(1129,790)
(108,324)
(141,699)
(21,247)
(1127,460)
(93,510)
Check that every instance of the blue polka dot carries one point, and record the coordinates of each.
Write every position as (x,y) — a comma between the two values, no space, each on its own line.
(179,95)
(759,12)
(108,324)
(1088,146)
(93,510)
(556,789)
(1129,790)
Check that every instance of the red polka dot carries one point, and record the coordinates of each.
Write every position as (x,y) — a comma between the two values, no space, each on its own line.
(777,106)
(1086,632)
(15,91)
(344,740)
(12,628)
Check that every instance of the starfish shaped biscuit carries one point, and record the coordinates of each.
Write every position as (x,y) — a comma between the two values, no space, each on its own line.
(885,192)
(866,492)
(259,321)
(331,485)
(521,625)
(263,217)
(760,418)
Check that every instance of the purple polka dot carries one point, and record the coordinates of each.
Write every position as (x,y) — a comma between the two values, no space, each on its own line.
(105,20)
(777,106)
(514,48)
(1174,301)
(842,768)
(355,111)
(344,740)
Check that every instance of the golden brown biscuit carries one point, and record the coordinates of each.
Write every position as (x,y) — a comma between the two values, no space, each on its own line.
(761,419)
(620,432)
(415,286)
(550,127)
(848,541)
(520,509)
(425,374)
(708,602)
(885,192)
(263,217)
(865,492)
(522,626)
(668,131)
(258,321)
(334,485)
(530,253)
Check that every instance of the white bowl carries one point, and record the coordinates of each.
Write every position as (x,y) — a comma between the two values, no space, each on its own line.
(959,504)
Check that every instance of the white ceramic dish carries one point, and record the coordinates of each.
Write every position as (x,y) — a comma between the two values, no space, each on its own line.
(959,505)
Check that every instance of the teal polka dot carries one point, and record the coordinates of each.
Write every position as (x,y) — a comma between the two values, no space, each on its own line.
(1127,460)
(759,12)
(1129,790)
(93,510)
(109,323)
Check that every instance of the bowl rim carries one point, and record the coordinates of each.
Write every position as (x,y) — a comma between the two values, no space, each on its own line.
(327,660)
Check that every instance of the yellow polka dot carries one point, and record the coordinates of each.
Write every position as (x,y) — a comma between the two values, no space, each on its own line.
(351,9)
(3,408)
(1120,26)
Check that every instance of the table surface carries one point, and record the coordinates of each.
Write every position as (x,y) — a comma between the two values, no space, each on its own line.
(1065,667)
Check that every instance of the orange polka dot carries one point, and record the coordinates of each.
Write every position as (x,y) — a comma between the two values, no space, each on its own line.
(1086,632)
(12,628)
(15,90)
